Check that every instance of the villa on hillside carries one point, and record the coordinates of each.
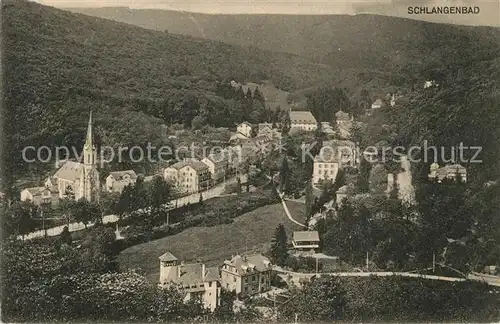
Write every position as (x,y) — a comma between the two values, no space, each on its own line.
(246,275)
(305,241)
(326,166)
(454,173)
(194,279)
(303,120)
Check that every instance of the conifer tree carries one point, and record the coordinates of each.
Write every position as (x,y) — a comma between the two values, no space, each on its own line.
(279,252)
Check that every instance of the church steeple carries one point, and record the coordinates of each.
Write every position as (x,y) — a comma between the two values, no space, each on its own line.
(88,148)
(88,139)
(90,175)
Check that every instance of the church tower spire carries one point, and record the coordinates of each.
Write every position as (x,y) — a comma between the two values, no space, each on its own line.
(91,175)
(88,138)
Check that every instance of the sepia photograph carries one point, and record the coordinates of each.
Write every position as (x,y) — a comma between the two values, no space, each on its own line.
(250,161)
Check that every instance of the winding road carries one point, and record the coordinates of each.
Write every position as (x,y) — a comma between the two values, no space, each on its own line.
(297,276)
(213,192)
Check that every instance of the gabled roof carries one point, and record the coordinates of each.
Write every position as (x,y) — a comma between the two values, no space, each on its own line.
(198,166)
(377,102)
(52,180)
(306,236)
(243,263)
(35,191)
(302,117)
(212,274)
(236,136)
(118,175)
(69,171)
(179,165)
(167,256)
(245,123)
(219,158)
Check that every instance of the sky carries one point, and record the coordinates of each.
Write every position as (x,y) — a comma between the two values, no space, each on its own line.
(489,9)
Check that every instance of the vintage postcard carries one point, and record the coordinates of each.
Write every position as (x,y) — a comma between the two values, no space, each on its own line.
(250,161)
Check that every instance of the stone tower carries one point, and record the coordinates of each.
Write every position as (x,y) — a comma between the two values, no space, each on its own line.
(91,183)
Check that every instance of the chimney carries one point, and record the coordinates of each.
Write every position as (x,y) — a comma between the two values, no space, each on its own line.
(203,271)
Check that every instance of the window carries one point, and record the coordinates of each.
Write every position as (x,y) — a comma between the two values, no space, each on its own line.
(210,284)
(320,165)
(234,279)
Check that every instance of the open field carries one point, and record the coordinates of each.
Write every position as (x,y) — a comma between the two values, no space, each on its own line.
(213,244)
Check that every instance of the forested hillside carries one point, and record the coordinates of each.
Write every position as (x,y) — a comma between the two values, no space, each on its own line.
(59,65)
(342,41)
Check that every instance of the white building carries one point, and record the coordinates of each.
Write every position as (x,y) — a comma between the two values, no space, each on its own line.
(454,172)
(40,195)
(188,176)
(117,180)
(377,104)
(194,279)
(305,241)
(217,165)
(326,165)
(303,120)
(246,275)
(245,128)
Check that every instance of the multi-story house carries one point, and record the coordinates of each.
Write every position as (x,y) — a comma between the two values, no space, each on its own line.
(305,241)
(117,180)
(188,176)
(41,195)
(326,166)
(245,128)
(246,275)
(193,279)
(303,120)
(218,166)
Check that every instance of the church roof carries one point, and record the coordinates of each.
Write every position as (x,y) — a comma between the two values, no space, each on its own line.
(69,171)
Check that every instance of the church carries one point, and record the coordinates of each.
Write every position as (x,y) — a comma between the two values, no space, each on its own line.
(78,180)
